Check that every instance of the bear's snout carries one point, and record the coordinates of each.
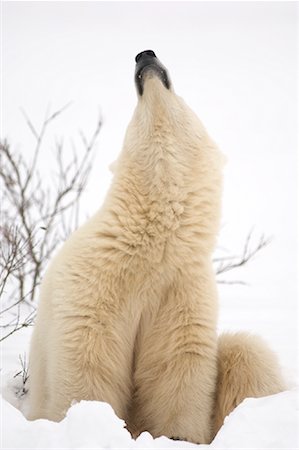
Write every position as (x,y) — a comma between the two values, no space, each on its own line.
(144,54)
(146,62)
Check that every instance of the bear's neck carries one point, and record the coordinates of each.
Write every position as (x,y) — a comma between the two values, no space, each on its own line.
(160,191)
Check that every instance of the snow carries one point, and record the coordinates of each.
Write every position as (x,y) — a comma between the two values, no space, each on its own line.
(86,425)
(269,422)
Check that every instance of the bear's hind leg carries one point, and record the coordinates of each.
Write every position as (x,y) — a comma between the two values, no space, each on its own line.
(246,368)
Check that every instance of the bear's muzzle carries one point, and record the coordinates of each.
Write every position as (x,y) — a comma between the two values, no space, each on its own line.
(146,62)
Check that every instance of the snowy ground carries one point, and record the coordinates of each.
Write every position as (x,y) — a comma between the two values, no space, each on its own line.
(256,423)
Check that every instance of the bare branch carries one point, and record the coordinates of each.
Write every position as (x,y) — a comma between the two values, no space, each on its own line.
(232,282)
(229,263)
(30,124)
(37,216)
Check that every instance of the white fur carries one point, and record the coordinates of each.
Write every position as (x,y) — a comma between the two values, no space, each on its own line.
(128,307)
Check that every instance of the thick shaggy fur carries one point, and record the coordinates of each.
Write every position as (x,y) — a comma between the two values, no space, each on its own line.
(246,368)
(128,308)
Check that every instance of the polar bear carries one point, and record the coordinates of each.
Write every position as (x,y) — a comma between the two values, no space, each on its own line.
(128,307)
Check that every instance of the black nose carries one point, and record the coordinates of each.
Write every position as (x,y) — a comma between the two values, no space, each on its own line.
(145,53)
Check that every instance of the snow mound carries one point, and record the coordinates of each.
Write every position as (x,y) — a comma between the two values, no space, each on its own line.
(265,423)
(88,424)
(259,423)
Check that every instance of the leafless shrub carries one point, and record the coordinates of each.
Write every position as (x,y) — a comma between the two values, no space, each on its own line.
(36,217)
(228,263)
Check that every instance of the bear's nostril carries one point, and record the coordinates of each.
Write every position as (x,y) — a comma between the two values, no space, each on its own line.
(145,53)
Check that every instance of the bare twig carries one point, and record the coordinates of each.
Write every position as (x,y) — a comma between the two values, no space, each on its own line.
(228,263)
(24,371)
(24,374)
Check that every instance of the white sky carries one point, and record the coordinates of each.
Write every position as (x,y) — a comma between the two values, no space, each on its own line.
(235,63)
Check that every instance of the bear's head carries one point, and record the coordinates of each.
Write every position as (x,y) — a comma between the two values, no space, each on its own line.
(164,131)
(169,166)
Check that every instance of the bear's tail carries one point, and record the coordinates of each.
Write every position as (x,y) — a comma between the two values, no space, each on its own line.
(246,368)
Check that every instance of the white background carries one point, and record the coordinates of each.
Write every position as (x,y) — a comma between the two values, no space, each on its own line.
(235,64)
